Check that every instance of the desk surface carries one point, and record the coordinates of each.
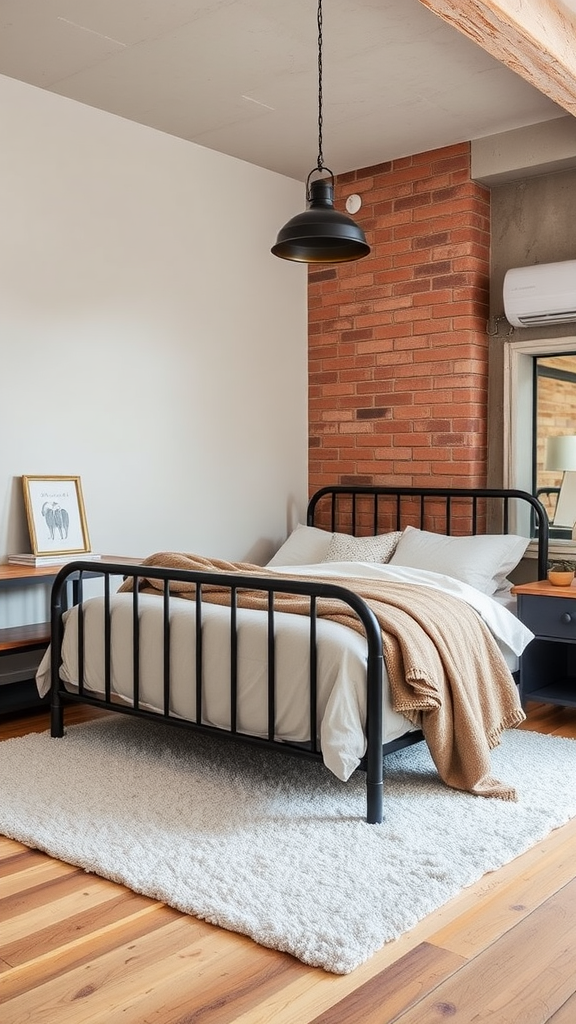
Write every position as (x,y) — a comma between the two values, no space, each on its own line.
(10,571)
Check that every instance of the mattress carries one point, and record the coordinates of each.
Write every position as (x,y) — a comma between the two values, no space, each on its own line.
(341,653)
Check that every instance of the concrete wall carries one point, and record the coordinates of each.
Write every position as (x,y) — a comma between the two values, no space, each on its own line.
(531,174)
(532,221)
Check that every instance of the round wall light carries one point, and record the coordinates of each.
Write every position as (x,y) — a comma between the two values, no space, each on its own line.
(353,203)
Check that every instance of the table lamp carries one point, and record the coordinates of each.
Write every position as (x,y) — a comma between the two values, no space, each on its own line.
(561,456)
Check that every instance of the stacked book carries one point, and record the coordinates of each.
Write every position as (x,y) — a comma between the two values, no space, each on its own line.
(37,560)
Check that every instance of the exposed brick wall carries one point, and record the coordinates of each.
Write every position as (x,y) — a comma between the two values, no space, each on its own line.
(398,350)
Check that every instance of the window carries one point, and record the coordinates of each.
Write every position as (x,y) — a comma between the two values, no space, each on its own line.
(554,403)
(539,401)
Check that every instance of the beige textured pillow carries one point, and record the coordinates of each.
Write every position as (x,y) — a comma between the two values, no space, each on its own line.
(345,548)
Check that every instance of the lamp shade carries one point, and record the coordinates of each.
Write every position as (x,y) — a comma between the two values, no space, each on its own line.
(321,234)
(561,452)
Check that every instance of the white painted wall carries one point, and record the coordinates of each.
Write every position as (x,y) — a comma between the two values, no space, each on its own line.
(150,343)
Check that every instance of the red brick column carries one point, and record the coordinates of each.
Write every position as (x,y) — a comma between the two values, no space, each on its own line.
(398,350)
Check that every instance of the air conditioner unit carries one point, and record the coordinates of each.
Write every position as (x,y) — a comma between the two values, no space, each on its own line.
(542,294)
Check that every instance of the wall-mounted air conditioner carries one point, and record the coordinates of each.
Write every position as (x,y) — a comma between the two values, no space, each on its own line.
(540,295)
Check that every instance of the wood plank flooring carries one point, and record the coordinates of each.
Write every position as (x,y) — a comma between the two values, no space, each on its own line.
(77,949)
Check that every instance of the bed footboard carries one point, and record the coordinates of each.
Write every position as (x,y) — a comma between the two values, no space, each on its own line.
(234,586)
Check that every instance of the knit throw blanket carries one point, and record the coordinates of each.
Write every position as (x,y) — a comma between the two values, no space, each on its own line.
(447,674)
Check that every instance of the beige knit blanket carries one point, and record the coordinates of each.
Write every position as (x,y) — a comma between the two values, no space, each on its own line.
(447,674)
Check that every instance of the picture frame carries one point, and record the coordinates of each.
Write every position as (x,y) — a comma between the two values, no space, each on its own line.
(56,515)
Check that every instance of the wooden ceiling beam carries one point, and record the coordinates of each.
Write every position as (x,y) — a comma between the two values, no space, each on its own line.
(536,40)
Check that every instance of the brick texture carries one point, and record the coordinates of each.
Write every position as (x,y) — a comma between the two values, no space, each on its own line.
(398,349)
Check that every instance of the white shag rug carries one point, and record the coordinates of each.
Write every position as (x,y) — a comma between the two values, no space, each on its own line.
(269,845)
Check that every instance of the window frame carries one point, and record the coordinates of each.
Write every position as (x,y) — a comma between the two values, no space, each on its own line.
(519,411)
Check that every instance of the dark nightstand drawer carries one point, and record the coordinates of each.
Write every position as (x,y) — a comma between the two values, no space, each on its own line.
(550,616)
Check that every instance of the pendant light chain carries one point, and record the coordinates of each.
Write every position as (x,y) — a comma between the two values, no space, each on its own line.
(320,234)
(320,165)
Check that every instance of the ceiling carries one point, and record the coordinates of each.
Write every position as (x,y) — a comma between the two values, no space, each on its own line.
(240,76)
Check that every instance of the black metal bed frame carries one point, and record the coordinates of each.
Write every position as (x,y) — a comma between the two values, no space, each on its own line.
(400,504)
(344,504)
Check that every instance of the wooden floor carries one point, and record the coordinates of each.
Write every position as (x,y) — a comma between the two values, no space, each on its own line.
(76,949)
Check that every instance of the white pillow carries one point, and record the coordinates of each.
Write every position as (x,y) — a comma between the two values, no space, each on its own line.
(346,548)
(306,545)
(483,561)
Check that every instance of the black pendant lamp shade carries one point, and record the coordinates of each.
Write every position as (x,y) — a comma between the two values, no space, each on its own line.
(321,234)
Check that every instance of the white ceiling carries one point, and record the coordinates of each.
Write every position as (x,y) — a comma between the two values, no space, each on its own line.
(240,76)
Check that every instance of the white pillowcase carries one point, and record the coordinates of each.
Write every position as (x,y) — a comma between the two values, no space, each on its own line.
(344,547)
(483,561)
(306,545)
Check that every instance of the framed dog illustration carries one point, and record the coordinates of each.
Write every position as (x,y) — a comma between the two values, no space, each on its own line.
(56,515)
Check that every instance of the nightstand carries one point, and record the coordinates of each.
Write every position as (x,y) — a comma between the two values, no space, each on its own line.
(548,664)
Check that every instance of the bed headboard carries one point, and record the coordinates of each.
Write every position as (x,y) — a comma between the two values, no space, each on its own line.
(363,510)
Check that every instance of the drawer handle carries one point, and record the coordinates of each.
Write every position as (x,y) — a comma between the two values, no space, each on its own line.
(566,618)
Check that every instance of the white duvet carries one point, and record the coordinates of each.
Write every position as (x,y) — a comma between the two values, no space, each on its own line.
(341,661)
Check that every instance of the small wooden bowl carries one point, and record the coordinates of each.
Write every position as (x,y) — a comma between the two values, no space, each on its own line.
(559,578)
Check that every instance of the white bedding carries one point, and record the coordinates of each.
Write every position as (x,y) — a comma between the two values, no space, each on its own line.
(341,661)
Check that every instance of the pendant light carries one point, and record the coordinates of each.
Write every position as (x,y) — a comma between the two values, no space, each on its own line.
(321,234)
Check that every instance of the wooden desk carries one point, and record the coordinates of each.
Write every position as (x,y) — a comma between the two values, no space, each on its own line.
(36,636)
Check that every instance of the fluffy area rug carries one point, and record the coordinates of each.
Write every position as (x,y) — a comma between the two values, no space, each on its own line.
(271,846)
